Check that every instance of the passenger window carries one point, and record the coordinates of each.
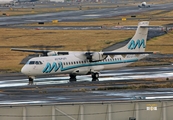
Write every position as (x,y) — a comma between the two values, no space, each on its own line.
(40,62)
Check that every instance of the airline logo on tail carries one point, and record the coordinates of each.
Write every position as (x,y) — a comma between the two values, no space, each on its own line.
(139,44)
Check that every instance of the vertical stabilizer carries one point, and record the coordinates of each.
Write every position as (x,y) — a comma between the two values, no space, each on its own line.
(138,42)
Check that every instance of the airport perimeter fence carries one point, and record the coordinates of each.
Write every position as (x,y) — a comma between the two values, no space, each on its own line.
(111,110)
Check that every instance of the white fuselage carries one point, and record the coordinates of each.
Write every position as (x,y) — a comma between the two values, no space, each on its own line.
(144,4)
(70,64)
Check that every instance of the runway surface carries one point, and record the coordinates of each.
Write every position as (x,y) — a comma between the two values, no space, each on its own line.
(158,28)
(79,15)
(52,89)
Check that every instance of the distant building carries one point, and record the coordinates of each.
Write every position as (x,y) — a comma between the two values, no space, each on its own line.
(27,0)
(57,0)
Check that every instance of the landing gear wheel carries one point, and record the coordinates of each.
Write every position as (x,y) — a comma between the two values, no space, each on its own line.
(31,80)
(72,78)
(95,76)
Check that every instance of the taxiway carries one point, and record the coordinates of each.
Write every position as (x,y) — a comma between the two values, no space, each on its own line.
(57,89)
(79,15)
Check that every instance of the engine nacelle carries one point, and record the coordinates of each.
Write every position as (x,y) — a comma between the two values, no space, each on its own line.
(98,56)
(52,53)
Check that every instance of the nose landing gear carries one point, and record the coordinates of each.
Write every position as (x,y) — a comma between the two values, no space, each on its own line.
(31,80)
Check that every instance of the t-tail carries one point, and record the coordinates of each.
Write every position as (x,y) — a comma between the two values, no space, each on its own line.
(138,42)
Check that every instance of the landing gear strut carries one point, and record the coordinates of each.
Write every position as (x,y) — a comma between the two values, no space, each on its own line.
(31,80)
(95,76)
(72,78)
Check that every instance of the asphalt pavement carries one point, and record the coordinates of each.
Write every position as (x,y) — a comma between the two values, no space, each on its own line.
(80,15)
(15,89)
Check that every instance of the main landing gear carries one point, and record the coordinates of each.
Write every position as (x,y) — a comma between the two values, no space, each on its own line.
(72,78)
(95,77)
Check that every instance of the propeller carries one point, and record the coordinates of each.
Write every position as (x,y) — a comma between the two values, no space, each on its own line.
(44,49)
(46,52)
(94,56)
(89,55)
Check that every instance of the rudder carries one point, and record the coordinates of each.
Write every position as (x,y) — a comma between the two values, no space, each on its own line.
(138,41)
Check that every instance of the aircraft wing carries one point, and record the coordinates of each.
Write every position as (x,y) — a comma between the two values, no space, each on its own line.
(44,52)
(125,53)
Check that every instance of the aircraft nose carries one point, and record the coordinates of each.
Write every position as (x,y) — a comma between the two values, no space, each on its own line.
(24,70)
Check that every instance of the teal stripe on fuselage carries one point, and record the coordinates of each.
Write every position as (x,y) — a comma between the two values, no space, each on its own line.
(97,63)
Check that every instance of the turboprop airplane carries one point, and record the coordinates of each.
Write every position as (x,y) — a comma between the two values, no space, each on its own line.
(87,62)
(7,2)
(143,5)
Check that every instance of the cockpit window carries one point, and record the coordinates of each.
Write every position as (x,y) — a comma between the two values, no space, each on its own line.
(35,62)
(31,62)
